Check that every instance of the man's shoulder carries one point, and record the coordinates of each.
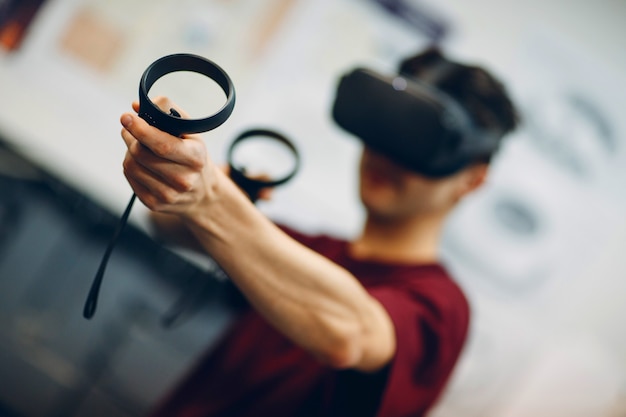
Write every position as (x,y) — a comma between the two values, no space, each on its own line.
(431,290)
(441,286)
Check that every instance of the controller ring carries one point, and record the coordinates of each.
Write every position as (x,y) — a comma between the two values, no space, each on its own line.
(170,123)
(252,186)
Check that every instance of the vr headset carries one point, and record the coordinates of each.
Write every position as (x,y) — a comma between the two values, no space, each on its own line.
(411,122)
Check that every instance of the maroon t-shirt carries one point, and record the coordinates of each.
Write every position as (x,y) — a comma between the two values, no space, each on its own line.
(256,371)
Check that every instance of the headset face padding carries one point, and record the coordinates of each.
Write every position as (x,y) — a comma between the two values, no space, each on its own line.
(411,122)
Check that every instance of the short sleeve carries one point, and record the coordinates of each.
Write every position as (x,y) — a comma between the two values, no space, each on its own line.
(430,321)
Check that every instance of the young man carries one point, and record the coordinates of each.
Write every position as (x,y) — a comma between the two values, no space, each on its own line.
(370,327)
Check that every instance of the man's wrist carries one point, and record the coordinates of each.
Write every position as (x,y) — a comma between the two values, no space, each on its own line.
(219,210)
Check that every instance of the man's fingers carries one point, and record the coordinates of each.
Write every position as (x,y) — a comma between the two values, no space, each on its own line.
(266,193)
(186,152)
(175,175)
(151,187)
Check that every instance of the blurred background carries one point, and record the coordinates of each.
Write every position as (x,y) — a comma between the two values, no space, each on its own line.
(539,251)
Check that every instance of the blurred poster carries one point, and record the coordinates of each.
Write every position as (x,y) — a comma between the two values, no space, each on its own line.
(420,16)
(92,38)
(16,17)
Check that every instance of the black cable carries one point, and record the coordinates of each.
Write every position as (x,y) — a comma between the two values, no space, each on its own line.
(92,299)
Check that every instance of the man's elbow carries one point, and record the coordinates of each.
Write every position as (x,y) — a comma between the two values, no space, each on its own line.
(342,354)
(355,354)
(364,346)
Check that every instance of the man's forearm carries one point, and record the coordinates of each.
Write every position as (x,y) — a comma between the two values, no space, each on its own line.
(314,302)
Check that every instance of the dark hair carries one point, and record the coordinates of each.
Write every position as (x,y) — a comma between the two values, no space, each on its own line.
(482,95)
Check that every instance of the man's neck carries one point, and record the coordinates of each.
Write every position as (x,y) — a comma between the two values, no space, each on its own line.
(410,240)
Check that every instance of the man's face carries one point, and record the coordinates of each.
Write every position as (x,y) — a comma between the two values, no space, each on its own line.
(391,192)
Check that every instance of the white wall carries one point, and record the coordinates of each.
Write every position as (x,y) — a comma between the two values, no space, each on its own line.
(556,346)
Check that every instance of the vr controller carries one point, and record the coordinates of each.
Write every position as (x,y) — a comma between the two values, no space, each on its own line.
(175,125)
(411,122)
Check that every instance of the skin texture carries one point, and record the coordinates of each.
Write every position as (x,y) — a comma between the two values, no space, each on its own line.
(314,302)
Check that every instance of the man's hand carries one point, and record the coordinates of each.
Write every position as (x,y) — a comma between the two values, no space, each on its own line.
(168,174)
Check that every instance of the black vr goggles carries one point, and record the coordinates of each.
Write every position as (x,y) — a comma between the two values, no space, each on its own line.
(411,122)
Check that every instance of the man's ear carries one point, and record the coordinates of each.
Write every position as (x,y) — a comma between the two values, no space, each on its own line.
(471,179)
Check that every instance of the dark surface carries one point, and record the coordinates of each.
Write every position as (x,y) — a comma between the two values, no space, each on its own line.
(53,362)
